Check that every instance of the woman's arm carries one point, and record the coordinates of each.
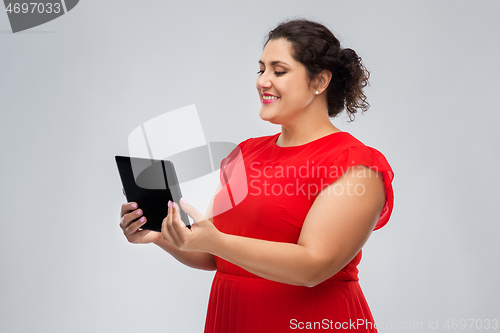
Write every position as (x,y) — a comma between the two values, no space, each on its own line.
(335,229)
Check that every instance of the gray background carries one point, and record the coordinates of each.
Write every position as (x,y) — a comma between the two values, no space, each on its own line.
(73,89)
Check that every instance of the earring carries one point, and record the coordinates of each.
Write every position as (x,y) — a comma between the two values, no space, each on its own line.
(316,92)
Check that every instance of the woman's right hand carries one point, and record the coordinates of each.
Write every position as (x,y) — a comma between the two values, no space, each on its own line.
(131,221)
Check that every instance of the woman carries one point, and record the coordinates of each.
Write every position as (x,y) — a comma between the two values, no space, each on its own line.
(286,255)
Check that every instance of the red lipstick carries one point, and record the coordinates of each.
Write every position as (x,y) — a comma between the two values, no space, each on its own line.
(268,101)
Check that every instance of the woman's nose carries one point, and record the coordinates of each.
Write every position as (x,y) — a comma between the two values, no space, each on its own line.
(263,82)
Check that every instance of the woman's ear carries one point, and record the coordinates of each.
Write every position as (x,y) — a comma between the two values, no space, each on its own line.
(322,80)
(325,77)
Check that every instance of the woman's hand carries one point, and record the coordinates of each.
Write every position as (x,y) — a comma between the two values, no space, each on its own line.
(131,220)
(199,238)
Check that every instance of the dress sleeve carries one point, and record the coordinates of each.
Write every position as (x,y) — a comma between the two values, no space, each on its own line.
(372,158)
(228,163)
(233,180)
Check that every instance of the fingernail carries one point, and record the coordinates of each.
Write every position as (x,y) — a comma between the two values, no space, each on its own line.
(139,212)
(183,201)
(134,205)
(169,203)
(173,205)
(142,219)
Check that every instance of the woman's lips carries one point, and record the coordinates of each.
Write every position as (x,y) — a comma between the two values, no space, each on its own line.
(268,98)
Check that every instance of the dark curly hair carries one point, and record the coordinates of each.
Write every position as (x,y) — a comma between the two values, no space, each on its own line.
(317,48)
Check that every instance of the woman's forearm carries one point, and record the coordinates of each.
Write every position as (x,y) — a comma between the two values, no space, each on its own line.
(198,260)
(282,262)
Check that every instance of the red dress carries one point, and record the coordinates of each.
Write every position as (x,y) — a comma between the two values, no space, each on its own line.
(269,199)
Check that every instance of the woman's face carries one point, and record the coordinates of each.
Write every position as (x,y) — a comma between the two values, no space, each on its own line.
(282,84)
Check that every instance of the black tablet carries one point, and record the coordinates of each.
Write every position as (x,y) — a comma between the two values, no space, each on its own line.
(150,183)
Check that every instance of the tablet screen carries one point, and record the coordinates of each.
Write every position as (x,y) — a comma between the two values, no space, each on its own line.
(150,183)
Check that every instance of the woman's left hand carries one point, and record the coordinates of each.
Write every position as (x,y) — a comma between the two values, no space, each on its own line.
(199,238)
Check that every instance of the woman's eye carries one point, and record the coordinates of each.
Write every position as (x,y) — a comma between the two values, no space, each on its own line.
(276,73)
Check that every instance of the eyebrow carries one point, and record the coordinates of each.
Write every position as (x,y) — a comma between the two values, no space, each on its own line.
(276,62)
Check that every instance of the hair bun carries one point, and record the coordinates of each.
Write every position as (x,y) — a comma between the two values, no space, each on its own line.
(348,56)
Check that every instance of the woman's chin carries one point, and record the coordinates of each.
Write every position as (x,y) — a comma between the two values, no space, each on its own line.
(266,118)
(266,115)
(269,117)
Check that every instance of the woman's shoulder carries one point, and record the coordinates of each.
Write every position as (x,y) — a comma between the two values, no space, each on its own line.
(351,152)
(331,148)
(255,142)
(338,138)
(343,149)
(345,141)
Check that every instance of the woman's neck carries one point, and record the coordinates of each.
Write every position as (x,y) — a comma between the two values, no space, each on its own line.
(305,133)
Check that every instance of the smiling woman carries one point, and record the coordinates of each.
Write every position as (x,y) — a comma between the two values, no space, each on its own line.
(286,256)
(283,85)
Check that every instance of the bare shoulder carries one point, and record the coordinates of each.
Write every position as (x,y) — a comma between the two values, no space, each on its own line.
(360,188)
(361,180)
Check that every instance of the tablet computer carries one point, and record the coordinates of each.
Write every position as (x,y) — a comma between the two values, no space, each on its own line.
(150,183)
